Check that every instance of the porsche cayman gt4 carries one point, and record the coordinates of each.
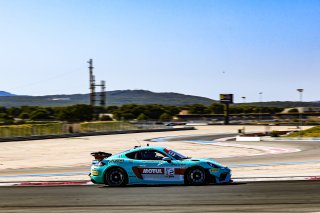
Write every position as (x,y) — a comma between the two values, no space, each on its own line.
(155,165)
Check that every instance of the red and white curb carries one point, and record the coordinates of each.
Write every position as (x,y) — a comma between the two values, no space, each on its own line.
(88,183)
(266,179)
(48,183)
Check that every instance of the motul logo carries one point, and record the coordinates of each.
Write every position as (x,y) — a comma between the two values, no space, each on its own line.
(152,171)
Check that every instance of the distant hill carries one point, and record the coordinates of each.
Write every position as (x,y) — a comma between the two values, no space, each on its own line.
(118,97)
(4,93)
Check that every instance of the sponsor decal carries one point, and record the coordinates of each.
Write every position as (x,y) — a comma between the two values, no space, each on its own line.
(179,171)
(170,152)
(117,161)
(94,172)
(168,172)
(137,172)
(152,171)
(214,170)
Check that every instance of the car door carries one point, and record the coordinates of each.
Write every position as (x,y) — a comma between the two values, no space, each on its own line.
(152,169)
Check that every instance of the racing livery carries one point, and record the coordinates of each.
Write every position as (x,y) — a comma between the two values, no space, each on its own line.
(155,165)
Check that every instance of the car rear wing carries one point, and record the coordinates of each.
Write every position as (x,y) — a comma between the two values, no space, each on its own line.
(100,155)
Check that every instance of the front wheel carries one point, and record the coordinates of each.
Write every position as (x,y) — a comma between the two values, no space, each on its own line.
(116,177)
(196,176)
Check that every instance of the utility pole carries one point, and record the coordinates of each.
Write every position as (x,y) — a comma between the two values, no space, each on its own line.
(226,114)
(301,109)
(260,100)
(226,99)
(92,84)
(102,93)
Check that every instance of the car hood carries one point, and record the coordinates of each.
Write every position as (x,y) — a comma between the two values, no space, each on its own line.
(203,160)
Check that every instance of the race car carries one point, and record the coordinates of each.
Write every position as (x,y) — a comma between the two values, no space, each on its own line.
(155,165)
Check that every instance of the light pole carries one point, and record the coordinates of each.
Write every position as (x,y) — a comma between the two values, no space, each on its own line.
(300,111)
(300,94)
(243,99)
(260,100)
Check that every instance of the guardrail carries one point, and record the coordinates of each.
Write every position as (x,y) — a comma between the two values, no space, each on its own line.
(57,128)
(98,131)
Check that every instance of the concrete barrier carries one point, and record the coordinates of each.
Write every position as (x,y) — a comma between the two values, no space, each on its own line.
(41,137)
(244,138)
(268,138)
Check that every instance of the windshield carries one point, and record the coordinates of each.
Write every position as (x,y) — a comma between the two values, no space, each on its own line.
(175,154)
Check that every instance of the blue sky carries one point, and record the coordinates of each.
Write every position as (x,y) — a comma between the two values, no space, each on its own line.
(196,47)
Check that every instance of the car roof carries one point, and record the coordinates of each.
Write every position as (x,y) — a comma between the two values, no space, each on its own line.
(160,148)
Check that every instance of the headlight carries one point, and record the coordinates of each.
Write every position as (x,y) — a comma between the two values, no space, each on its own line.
(213,165)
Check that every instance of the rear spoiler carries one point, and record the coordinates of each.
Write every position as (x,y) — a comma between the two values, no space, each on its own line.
(100,155)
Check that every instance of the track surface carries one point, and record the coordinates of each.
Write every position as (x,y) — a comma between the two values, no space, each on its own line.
(295,196)
(309,151)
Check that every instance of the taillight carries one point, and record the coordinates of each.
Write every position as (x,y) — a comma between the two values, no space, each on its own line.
(101,163)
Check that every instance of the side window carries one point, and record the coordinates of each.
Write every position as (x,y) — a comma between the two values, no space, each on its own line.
(134,155)
(146,155)
(152,155)
(159,155)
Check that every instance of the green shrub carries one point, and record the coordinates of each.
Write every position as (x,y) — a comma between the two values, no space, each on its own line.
(312,132)
(105,126)
(274,133)
(30,129)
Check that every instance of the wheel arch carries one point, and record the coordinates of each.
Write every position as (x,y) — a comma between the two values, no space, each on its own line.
(207,173)
(113,167)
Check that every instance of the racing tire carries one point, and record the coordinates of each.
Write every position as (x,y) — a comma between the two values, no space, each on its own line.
(116,176)
(196,176)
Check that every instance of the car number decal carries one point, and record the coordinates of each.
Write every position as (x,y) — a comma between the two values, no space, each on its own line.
(169,172)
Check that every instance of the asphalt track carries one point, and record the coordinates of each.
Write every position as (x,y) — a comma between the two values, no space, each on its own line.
(309,151)
(282,196)
(294,196)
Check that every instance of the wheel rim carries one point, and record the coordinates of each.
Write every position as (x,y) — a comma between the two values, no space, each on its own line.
(115,177)
(197,176)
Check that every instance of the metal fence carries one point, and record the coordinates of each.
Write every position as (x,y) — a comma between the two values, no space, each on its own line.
(25,130)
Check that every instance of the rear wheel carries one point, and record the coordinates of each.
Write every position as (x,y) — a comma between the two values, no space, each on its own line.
(116,177)
(196,176)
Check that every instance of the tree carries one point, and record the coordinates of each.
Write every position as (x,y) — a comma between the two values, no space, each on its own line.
(105,118)
(128,116)
(14,111)
(7,119)
(40,114)
(216,108)
(76,113)
(172,110)
(293,110)
(24,115)
(198,109)
(142,117)
(111,109)
(3,109)
(165,117)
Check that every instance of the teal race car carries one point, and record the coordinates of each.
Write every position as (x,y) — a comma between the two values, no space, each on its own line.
(155,165)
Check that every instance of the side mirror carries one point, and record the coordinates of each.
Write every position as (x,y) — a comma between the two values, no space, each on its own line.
(167,159)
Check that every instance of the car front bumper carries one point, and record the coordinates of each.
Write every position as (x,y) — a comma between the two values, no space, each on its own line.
(221,175)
